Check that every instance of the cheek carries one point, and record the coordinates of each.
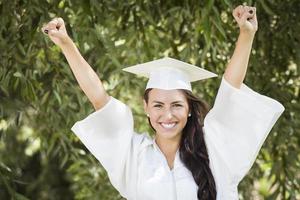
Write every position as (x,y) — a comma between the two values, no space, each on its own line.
(154,116)
(182,113)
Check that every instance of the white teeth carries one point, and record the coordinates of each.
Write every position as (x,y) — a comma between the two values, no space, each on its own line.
(168,125)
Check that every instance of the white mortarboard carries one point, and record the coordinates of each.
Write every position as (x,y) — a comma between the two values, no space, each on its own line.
(169,73)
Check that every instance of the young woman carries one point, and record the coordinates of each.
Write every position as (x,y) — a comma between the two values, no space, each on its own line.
(194,154)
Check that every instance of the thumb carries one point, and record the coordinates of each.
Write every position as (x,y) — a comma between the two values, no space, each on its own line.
(60,24)
(237,18)
(246,16)
(57,35)
(54,33)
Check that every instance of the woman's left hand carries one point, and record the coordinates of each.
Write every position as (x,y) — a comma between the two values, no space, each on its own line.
(245,16)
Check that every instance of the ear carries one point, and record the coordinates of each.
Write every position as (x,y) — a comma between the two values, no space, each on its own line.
(145,106)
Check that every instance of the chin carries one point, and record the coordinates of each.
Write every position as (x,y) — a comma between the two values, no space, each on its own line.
(168,134)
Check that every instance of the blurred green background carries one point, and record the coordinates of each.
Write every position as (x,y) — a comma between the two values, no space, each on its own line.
(40,100)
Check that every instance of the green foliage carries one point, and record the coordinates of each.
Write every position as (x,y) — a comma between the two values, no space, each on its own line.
(40,99)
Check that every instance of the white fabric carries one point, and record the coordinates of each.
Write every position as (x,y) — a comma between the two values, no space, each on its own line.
(235,130)
(169,73)
(169,79)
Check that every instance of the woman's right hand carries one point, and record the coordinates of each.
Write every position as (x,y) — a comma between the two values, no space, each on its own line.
(56,31)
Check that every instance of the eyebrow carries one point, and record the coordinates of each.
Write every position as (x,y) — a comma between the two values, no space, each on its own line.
(174,102)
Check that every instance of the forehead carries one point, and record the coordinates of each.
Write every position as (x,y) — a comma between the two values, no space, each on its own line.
(166,95)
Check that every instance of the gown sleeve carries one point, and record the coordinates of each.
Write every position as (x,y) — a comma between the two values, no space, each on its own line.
(107,133)
(236,127)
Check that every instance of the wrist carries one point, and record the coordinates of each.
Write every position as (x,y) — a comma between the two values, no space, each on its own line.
(67,44)
(246,36)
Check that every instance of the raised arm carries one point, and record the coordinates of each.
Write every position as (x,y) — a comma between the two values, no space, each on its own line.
(88,80)
(237,67)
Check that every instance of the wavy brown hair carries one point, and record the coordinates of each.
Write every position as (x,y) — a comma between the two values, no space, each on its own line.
(192,149)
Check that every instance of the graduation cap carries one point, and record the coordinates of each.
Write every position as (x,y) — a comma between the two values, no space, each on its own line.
(169,73)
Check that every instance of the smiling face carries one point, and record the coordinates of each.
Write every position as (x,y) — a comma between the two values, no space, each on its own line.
(168,112)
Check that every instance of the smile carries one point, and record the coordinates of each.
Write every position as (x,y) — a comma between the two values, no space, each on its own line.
(168,125)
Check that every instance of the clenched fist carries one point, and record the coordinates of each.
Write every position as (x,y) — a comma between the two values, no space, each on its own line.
(245,16)
(56,31)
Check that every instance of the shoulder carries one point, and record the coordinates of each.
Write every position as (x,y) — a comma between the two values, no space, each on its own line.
(141,140)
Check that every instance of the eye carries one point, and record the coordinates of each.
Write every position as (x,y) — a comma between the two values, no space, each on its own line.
(157,105)
(177,105)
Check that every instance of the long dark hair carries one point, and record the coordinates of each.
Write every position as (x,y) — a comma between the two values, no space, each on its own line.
(192,149)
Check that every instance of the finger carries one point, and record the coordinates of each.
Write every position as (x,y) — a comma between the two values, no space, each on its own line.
(54,33)
(249,10)
(60,22)
(238,11)
(53,24)
(253,9)
(50,26)
(247,14)
(238,14)
(44,29)
(254,14)
(254,18)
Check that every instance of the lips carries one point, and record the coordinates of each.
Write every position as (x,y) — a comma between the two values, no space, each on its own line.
(168,125)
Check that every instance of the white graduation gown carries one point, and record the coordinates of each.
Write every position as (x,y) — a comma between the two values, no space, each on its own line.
(235,129)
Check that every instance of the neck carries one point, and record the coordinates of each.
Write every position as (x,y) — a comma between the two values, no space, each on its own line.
(167,147)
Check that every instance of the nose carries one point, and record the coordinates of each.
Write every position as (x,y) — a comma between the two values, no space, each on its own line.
(168,114)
